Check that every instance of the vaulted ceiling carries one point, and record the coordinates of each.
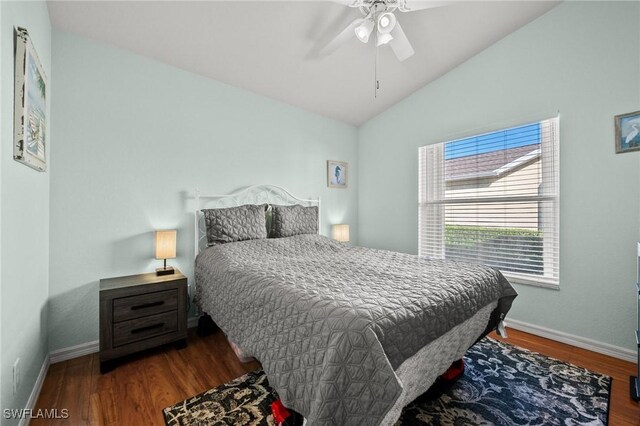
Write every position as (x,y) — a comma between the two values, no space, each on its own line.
(271,47)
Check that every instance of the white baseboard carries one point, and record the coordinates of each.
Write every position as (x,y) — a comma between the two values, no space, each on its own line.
(570,339)
(35,392)
(76,351)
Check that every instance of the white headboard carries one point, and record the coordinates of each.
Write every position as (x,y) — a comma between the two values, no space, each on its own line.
(256,194)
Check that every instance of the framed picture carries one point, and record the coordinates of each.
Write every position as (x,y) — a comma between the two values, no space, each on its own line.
(628,132)
(337,174)
(30,108)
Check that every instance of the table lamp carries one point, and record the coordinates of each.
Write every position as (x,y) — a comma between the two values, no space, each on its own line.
(165,249)
(340,232)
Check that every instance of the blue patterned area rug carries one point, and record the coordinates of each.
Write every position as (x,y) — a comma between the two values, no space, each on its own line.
(502,385)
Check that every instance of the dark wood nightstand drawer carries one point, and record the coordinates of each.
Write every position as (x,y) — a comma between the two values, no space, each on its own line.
(140,312)
(127,308)
(142,328)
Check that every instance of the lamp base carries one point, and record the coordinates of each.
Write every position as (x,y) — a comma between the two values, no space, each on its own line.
(165,271)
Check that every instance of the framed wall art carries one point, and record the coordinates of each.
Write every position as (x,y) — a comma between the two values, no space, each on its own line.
(627,132)
(337,174)
(30,108)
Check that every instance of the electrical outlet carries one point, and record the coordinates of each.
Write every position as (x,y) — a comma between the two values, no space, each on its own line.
(16,376)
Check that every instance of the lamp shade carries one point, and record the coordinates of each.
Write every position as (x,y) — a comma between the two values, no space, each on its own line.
(340,232)
(363,31)
(386,22)
(166,244)
(384,39)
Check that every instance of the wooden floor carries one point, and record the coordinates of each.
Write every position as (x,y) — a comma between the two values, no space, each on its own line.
(136,391)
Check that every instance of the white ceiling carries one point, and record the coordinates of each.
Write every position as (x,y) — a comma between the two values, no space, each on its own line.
(268,47)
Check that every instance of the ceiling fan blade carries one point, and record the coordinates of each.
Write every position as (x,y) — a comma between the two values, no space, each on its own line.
(344,36)
(413,5)
(400,44)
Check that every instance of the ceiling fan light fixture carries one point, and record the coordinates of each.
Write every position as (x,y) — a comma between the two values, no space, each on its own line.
(386,22)
(384,38)
(363,31)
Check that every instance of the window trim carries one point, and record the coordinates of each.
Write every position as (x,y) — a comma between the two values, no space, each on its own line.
(551,250)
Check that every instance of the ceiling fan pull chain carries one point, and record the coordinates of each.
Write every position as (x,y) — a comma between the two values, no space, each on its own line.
(376,82)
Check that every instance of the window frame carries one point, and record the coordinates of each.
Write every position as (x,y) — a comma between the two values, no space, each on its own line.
(429,195)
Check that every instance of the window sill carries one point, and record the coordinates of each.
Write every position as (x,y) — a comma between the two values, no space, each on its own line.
(515,278)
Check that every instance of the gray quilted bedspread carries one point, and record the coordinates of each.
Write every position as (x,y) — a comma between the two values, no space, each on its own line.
(330,323)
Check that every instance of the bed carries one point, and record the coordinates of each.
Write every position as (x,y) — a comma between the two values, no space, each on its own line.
(346,335)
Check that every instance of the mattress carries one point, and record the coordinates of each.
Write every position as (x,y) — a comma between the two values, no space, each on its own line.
(331,324)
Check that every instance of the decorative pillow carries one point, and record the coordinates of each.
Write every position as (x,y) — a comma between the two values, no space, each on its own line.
(231,224)
(293,220)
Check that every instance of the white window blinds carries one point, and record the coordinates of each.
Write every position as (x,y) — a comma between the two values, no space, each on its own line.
(494,199)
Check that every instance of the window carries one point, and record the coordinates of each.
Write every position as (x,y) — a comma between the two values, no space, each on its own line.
(494,199)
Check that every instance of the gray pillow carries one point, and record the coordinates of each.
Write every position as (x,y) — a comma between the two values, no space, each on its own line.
(231,224)
(293,220)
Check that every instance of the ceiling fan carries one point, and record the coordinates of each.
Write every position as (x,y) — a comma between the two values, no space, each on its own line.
(379,16)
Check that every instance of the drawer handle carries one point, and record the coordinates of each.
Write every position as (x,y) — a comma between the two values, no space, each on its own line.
(147,328)
(147,305)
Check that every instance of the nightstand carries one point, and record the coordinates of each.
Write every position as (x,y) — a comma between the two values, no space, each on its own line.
(139,312)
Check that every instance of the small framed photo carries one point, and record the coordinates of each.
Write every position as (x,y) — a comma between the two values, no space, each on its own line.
(30,108)
(337,174)
(627,132)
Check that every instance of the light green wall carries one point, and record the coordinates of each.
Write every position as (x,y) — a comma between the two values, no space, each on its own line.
(24,221)
(138,137)
(582,59)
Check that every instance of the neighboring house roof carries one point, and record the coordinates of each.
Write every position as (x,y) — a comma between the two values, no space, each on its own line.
(490,164)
